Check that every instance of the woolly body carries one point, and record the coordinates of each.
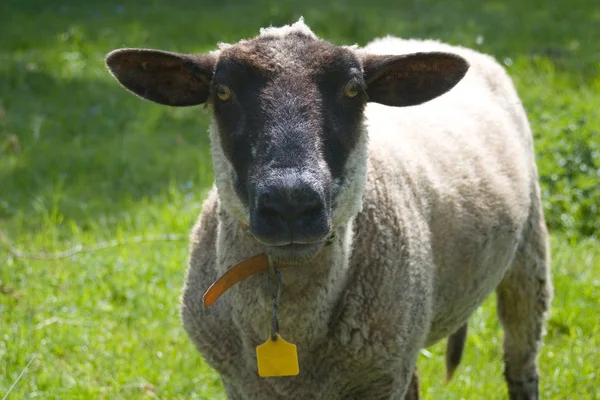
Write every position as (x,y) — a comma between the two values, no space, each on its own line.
(451,197)
(438,206)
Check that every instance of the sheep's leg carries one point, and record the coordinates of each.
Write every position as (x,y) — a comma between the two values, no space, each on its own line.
(523,301)
(385,388)
(413,388)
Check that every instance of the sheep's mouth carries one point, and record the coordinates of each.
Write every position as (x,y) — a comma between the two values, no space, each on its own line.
(293,253)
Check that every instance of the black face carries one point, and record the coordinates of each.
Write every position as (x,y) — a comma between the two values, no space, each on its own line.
(287,123)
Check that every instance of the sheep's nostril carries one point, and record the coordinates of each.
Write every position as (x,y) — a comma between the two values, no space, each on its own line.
(291,204)
(313,211)
(269,206)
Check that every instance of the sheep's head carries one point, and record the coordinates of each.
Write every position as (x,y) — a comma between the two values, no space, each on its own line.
(288,142)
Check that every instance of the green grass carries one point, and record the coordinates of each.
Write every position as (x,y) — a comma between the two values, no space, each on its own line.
(81,161)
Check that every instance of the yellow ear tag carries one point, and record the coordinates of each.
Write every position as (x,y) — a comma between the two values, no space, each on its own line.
(277,358)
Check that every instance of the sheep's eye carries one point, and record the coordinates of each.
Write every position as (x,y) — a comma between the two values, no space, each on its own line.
(223,92)
(351,89)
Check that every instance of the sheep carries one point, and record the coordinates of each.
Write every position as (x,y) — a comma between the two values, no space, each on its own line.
(392,187)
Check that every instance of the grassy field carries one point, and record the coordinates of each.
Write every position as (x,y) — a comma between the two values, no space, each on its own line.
(83,162)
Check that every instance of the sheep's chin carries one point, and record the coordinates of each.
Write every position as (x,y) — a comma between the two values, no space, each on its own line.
(294,253)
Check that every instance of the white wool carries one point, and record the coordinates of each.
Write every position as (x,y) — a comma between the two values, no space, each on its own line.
(280,31)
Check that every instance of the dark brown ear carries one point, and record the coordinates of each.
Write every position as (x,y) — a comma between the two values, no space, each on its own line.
(411,79)
(163,77)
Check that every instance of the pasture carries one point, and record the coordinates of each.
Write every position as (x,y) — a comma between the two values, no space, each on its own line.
(82,162)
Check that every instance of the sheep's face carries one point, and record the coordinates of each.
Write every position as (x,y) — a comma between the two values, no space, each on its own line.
(288,116)
(288,141)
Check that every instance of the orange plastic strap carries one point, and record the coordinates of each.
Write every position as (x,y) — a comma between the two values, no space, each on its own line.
(235,274)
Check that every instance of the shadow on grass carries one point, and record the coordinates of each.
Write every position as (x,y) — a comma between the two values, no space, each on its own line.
(504,27)
(86,146)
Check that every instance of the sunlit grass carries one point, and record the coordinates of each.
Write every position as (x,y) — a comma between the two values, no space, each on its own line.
(83,162)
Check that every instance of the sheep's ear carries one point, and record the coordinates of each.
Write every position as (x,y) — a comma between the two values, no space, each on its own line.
(411,79)
(163,77)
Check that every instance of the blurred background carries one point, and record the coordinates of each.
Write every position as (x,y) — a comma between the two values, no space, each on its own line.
(84,162)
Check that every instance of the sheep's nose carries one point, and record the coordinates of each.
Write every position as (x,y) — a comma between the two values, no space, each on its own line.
(290,204)
(289,209)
